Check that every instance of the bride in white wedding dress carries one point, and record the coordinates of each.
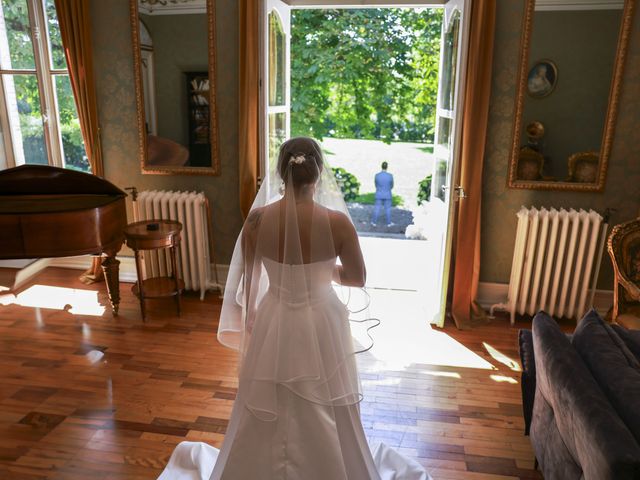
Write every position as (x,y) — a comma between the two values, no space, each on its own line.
(296,415)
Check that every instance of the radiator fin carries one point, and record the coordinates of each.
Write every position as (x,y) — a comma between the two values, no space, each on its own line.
(556,260)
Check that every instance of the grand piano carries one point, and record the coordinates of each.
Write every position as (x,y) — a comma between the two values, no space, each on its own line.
(54,212)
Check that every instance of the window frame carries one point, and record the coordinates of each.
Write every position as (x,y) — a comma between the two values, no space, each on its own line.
(45,75)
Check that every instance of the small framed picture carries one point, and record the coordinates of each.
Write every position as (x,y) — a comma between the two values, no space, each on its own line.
(542,78)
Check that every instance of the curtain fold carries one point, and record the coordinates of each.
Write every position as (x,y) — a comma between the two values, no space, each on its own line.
(75,29)
(466,248)
(249,101)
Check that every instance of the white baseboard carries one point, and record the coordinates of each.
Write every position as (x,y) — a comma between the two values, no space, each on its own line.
(127,267)
(489,293)
(493,293)
(16,273)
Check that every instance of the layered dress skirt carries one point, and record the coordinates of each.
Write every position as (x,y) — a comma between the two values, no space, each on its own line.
(296,415)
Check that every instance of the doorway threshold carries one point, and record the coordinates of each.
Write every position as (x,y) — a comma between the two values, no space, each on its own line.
(398,236)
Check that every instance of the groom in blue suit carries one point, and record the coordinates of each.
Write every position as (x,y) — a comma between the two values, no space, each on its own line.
(384,184)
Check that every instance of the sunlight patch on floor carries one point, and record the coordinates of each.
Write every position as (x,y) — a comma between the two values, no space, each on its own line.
(401,287)
(443,374)
(404,336)
(503,379)
(77,302)
(502,358)
(387,381)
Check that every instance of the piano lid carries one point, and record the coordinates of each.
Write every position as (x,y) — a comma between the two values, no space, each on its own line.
(46,180)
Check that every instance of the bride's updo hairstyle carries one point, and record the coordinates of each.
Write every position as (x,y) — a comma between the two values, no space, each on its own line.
(300,157)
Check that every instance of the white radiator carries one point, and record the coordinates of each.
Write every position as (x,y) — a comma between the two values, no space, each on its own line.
(556,262)
(194,258)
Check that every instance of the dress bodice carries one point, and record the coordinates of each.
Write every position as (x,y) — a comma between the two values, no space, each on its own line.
(302,283)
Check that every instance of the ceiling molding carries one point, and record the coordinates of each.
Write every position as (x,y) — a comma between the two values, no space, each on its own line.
(172,7)
(363,3)
(557,5)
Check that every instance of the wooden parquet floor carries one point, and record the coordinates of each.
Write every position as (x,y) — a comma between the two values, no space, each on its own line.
(87,396)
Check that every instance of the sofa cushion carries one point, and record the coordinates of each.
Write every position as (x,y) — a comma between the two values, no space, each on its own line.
(591,430)
(631,338)
(556,462)
(614,367)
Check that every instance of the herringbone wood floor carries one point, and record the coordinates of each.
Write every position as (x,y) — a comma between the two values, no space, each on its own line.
(93,397)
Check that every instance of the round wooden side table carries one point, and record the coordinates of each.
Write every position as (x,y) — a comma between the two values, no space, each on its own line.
(155,235)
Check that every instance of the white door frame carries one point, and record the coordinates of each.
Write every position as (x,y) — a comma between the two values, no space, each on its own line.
(459,95)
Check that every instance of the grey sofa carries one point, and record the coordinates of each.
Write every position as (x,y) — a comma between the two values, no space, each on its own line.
(581,399)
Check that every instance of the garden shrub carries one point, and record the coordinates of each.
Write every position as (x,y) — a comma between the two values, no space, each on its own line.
(424,190)
(348,183)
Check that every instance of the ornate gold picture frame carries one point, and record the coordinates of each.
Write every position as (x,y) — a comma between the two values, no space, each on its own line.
(143,146)
(610,120)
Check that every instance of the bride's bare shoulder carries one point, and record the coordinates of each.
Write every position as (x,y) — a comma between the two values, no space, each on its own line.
(339,220)
(337,216)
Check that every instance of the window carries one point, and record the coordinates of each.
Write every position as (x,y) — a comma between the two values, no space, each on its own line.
(38,114)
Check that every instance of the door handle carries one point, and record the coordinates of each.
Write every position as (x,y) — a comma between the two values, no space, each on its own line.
(460,193)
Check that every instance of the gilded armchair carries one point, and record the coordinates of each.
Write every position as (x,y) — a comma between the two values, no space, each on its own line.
(624,248)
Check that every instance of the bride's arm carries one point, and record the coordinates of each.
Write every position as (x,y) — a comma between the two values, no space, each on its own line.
(249,238)
(352,272)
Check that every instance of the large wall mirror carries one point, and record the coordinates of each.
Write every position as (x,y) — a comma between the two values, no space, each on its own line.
(174,67)
(570,76)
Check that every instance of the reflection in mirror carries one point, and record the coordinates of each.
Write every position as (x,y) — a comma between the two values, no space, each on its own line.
(572,60)
(175,94)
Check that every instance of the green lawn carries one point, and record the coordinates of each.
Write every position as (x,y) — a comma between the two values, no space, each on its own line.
(369,199)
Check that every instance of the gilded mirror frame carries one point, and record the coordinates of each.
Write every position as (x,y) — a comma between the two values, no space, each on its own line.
(214,169)
(610,118)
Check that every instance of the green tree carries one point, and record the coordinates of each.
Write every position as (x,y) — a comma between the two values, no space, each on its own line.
(20,45)
(365,73)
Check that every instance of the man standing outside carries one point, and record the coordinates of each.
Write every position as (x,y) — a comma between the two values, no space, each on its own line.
(384,185)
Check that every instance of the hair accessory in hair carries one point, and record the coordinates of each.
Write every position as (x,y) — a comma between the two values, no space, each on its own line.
(297,159)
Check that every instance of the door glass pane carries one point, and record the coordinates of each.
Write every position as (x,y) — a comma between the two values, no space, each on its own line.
(449,59)
(439,178)
(16,48)
(25,118)
(277,135)
(277,61)
(56,51)
(73,151)
(444,132)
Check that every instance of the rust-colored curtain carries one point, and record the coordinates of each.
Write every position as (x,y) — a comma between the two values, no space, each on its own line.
(466,269)
(249,101)
(75,29)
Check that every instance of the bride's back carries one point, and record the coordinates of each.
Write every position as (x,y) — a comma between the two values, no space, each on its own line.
(300,233)
(297,230)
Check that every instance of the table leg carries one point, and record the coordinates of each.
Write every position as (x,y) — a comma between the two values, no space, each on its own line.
(174,272)
(140,283)
(111,268)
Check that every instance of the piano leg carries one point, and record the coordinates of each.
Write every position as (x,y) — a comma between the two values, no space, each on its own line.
(111,268)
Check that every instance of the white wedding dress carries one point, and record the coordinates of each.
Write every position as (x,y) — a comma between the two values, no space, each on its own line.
(296,416)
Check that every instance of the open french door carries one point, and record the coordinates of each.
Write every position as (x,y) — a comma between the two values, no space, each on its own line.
(453,62)
(276,92)
(276,86)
